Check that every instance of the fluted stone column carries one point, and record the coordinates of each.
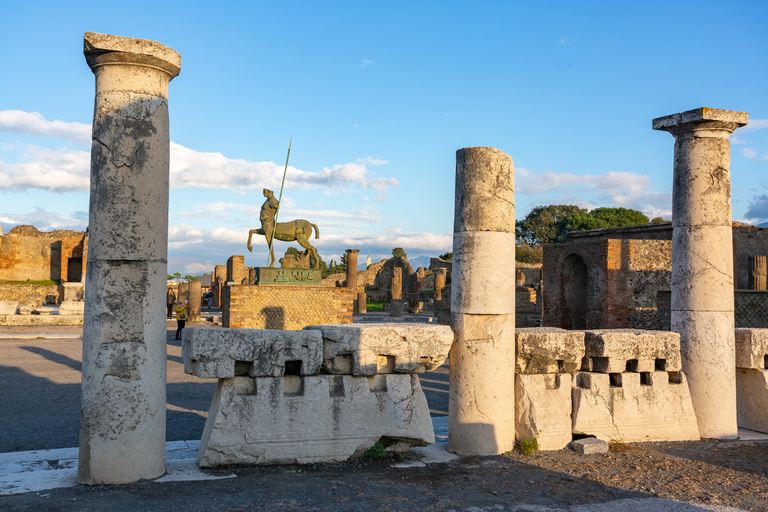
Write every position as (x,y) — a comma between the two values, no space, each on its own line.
(758,272)
(122,426)
(481,400)
(702,262)
(352,275)
(396,304)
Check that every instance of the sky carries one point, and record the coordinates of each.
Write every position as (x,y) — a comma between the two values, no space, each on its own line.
(377,97)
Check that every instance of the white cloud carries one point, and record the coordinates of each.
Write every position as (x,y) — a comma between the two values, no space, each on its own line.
(33,123)
(753,125)
(44,220)
(540,182)
(58,170)
(369,160)
(748,153)
(365,62)
(735,140)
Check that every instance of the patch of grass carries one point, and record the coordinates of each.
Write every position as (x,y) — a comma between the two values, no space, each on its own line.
(529,446)
(374,306)
(376,451)
(47,282)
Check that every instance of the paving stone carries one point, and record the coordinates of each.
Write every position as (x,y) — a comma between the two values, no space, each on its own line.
(548,350)
(361,349)
(623,350)
(589,445)
(211,352)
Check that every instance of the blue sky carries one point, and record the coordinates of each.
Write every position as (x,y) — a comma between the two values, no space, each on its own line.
(378,96)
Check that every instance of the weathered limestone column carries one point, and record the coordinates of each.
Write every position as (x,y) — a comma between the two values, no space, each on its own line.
(440,274)
(352,275)
(396,304)
(481,400)
(122,421)
(183,291)
(362,301)
(758,272)
(195,291)
(702,262)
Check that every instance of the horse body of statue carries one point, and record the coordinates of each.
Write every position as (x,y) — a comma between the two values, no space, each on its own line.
(298,230)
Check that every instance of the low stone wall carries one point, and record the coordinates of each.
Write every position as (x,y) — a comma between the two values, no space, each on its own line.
(32,294)
(284,307)
(33,320)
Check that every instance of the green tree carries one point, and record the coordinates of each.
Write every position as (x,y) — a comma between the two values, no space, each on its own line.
(602,218)
(545,224)
(659,220)
(177,275)
(447,256)
(397,252)
(170,277)
(525,253)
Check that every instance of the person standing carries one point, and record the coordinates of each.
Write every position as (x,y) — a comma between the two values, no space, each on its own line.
(170,299)
(182,311)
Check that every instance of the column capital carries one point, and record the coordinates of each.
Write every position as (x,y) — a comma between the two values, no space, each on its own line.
(702,119)
(352,251)
(105,49)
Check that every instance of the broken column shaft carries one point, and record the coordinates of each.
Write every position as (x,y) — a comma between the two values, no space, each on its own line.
(352,276)
(396,303)
(481,400)
(122,426)
(702,262)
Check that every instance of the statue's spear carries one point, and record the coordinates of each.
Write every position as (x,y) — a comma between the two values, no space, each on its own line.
(279,200)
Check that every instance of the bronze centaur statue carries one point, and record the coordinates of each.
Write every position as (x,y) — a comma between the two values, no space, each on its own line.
(299,230)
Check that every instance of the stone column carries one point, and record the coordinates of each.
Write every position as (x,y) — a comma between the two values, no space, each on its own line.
(195,290)
(396,304)
(183,291)
(362,301)
(122,421)
(481,400)
(758,271)
(702,262)
(352,275)
(220,274)
(440,274)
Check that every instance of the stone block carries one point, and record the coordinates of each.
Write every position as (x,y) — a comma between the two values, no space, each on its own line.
(362,349)
(589,446)
(634,407)
(752,399)
(631,350)
(8,307)
(548,350)
(752,348)
(211,352)
(482,265)
(72,307)
(543,409)
(303,420)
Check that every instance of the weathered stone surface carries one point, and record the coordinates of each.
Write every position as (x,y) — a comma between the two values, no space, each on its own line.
(485,191)
(630,350)
(195,291)
(481,399)
(543,409)
(122,428)
(396,304)
(210,352)
(752,399)
(589,445)
(483,273)
(303,420)
(72,307)
(72,291)
(707,350)
(361,349)
(361,304)
(702,266)
(8,307)
(548,350)
(752,348)
(634,407)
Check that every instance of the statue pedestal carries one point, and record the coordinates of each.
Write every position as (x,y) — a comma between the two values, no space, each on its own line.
(291,276)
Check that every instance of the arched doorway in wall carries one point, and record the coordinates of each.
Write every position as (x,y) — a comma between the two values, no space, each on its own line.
(574,279)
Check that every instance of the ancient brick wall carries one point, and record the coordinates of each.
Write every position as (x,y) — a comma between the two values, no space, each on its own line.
(747,241)
(237,272)
(284,307)
(28,254)
(30,294)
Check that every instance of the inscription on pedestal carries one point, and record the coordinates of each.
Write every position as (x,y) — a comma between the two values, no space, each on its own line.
(293,276)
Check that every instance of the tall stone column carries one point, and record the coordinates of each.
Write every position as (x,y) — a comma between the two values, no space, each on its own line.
(122,421)
(396,304)
(758,272)
(702,262)
(352,275)
(195,291)
(481,400)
